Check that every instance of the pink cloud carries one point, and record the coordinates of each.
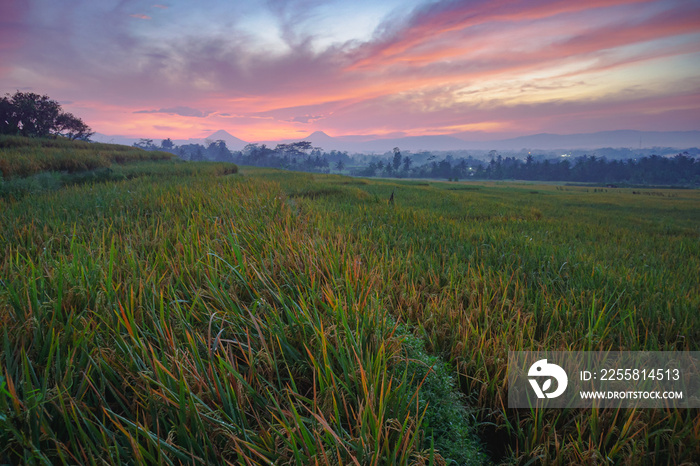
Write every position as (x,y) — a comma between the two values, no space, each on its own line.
(439,19)
(181,111)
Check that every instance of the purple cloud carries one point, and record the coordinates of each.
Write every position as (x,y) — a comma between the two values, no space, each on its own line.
(182,111)
(305,119)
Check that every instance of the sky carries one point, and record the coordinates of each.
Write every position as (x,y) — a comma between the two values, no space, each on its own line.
(282,69)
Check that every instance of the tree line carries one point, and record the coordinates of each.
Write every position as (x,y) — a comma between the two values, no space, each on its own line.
(301,155)
(681,169)
(33,115)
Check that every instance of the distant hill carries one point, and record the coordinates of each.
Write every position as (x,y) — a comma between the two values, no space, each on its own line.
(378,145)
(361,144)
(414,143)
(114,139)
(317,139)
(232,142)
(615,139)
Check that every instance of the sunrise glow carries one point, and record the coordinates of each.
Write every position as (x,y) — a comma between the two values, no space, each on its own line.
(275,70)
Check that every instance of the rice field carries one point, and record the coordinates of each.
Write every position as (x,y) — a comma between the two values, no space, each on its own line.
(21,157)
(191,314)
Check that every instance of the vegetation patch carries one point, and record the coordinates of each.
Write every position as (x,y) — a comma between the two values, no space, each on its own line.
(449,425)
(355,181)
(36,165)
(463,188)
(22,157)
(324,191)
(339,190)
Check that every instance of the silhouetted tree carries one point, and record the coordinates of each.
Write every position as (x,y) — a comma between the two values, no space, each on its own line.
(396,162)
(72,127)
(218,151)
(33,115)
(145,143)
(198,155)
(293,150)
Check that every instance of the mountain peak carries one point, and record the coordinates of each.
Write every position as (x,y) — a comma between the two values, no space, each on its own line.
(319,134)
(232,141)
(221,134)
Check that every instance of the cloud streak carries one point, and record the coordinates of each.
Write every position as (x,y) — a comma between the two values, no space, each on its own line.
(182,111)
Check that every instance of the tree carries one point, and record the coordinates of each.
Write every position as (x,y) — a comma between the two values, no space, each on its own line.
(29,114)
(33,115)
(198,155)
(294,149)
(396,162)
(8,121)
(372,168)
(339,165)
(145,143)
(72,127)
(167,144)
(218,151)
